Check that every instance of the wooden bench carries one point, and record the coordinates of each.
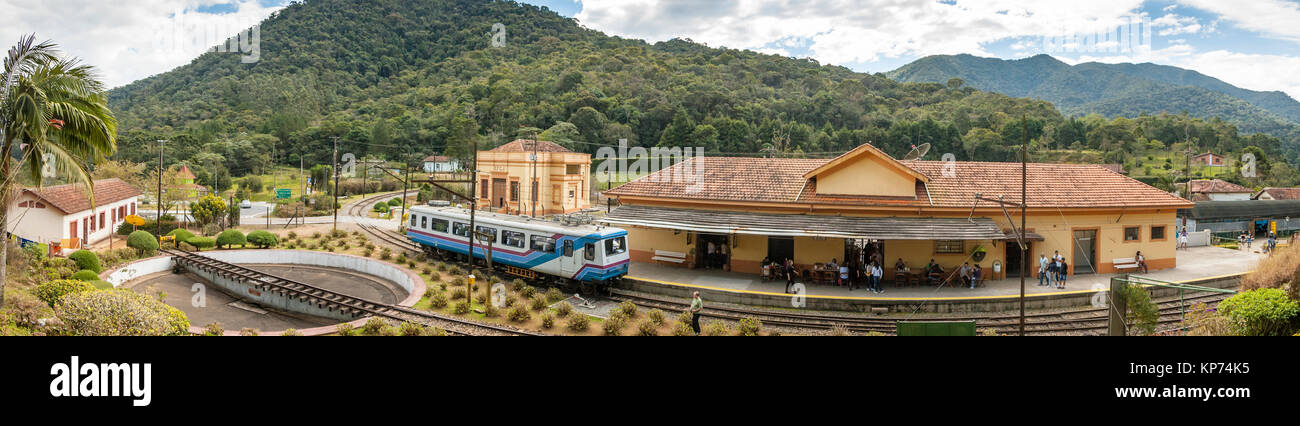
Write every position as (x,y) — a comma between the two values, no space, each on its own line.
(669,257)
(1125,263)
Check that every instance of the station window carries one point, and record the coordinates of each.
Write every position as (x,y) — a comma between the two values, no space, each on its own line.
(514,192)
(589,251)
(1157,233)
(615,246)
(489,231)
(484,185)
(543,244)
(1132,233)
(949,247)
(439,225)
(512,239)
(460,229)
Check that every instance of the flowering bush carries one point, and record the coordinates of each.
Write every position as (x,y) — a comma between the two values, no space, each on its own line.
(119,313)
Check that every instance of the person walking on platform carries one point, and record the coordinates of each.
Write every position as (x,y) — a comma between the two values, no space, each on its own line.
(877,273)
(697,306)
(787,270)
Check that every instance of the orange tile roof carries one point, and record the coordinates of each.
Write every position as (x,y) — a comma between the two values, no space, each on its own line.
(1218,186)
(526,145)
(71,198)
(437,159)
(781,180)
(1281,193)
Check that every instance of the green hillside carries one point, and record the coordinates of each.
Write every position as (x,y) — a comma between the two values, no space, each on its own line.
(392,77)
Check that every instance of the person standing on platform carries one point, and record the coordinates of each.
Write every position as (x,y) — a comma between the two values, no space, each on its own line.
(877,273)
(697,306)
(711,258)
(1042,270)
(787,270)
(1064,275)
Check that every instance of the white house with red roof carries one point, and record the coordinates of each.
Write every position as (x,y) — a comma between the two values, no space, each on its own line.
(64,215)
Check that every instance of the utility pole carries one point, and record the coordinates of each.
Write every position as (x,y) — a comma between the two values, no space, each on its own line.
(159,202)
(336,183)
(1024,210)
(406,181)
(473,203)
(533,191)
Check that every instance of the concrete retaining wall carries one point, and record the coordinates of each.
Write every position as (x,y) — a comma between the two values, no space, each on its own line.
(408,280)
(925,305)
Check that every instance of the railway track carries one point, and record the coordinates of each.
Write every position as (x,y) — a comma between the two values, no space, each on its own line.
(346,304)
(1086,321)
(358,212)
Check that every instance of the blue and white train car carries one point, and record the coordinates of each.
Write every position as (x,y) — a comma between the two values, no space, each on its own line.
(584,253)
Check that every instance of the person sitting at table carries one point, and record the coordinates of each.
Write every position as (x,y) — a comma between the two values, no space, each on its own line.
(964,272)
(833,266)
(934,271)
(977,274)
(901,266)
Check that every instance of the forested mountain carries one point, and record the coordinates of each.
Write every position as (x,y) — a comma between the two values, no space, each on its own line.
(1115,89)
(388,76)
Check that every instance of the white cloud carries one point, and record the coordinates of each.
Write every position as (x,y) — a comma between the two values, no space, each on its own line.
(1275,18)
(1248,71)
(127,41)
(847,31)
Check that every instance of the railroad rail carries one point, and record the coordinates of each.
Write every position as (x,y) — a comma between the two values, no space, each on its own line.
(349,305)
(358,211)
(1087,320)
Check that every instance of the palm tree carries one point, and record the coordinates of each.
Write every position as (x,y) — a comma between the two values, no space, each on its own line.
(53,114)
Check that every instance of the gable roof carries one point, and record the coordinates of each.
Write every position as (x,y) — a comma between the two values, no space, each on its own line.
(184,173)
(1207,154)
(784,180)
(1218,186)
(526,145)
(1281,193)
(71,198)
(865,149)
(438,159)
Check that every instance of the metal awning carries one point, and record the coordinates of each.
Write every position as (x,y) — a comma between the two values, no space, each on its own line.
(1029,236)
(804,225)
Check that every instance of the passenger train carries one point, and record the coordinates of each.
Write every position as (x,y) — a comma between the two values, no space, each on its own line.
(526,247)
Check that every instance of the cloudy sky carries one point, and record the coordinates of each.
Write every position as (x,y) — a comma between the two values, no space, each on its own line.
(1253,44)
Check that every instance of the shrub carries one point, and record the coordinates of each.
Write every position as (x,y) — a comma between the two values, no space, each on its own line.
(395,202)
(249,332)
(518,285)
(411,329)
(230,238)
(293,235)
(1141,311)
(373,326)
(647,328)
(840,330)
(181,234)
(563,309)
(263,239)
(628,309)
(527,292)
(381,208)
(519,314)
(579,322)
(462,308)
(553,295)
(438,301)
(202,243)
(683,329)
(214,329)
(51,291)
(538,302)
(346,329)
(143,242)
(685,317)
(85,276)
(656,316)
(86,260)
(717,328)
(750,326)
(119,313)
(1262,312)
(548,320)
(614,325)
(290,332)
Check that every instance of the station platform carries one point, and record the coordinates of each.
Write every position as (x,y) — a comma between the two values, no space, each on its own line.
(1203,265)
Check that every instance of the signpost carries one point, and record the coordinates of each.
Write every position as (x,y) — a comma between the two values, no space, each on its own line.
(283,194)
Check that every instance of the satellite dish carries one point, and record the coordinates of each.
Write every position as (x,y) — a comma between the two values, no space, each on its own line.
(918,152)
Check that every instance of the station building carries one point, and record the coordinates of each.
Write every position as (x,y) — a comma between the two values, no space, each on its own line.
(817,210)
(64,216)
(560,178)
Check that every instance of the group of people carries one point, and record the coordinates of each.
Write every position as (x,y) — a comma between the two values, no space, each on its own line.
(849,274)
(1055,271)
(970,276)
(715,255)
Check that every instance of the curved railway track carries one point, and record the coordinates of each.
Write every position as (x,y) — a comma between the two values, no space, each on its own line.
(346,304)
(1084,321)
(358,212)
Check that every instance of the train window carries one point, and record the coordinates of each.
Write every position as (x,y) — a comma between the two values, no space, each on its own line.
(413,220)
(568,248)
(512,239)
(424,223)
(589,251)
(615,246)
(439,225)
(543,244)
(488,231)
(460,229)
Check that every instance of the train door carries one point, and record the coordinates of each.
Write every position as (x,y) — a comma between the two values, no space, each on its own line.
(570,259)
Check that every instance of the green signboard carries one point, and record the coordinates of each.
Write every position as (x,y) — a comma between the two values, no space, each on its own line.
(283,194)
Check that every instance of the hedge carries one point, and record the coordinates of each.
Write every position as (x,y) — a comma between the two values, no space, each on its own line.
(142,241)
(85,275)
(181,234)
(230,238)
(51,291)
(86,260)
(202,242)
(263,239)
(119,312)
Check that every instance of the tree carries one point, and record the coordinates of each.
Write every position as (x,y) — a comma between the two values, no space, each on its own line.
(231,238)
(207,209)
(53,116)
(142,241)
